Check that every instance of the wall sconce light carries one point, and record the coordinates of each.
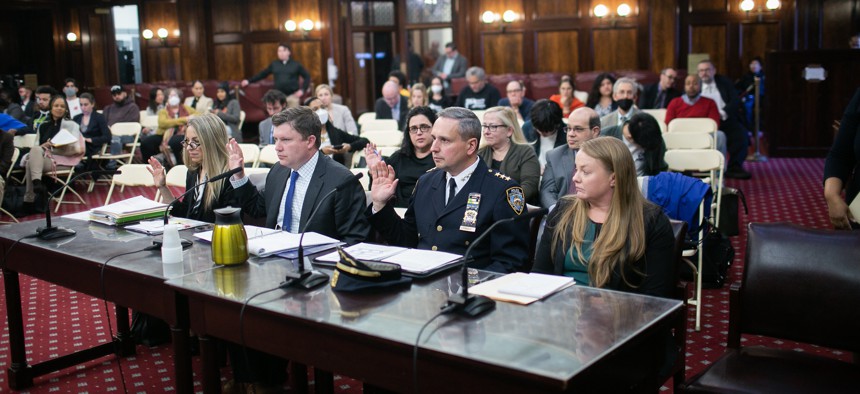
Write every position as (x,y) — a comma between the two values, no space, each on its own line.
(147,34)
(162,35)
(490,17)
(622,11)
(72,37)
(290,25)
(749,7)
(304,27)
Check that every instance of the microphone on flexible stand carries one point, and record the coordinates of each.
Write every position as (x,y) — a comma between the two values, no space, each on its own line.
(471,305)
(312,278)
(186,243)
(53,232)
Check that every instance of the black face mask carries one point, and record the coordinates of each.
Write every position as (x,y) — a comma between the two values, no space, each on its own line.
(625,104)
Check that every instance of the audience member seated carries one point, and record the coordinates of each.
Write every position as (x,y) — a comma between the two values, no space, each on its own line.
(171,129)
(694,105)
(28,103)
(504,149)
(479,95)
(439,99)
(583,125)
(565,98)
(445,196)
(720,89)
(660,94)
(401,80)
(452,65)
(413,159)
(600,97)
(518,101)
(842,168)
(156,101)
(392,105)
(547,121)
(418,96)
(198,101)
(205,153)
(275,101)
(334,142)
(339,115)
(644,139)
(93,126)
(624,92)
(227,109)
(44,157)
(606,234)
(122,109)
(70,90)
(43,106)
(8,107)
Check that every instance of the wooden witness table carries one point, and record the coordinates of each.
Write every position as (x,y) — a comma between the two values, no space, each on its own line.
(582,339)
(133,281)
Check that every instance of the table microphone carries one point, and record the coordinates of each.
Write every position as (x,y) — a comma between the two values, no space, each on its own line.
(186,243)
(53,232)
(310,279)
(475,305)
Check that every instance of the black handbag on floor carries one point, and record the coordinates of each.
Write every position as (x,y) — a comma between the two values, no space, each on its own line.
(729,211)
(717,257)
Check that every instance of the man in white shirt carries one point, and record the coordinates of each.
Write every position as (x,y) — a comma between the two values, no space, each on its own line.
(722,91)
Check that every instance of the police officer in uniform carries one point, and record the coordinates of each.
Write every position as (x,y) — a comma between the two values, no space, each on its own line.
(455,202)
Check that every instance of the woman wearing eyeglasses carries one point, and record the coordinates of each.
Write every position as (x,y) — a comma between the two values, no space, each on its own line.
(414,158)
(205,153)
(504,148)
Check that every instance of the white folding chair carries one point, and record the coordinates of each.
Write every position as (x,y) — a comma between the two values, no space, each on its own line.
(174,178)
(15,153)
(149,121)
(251,152)
(63,176)
(119,129)
(700,140)
(383,137)
(479,113)
(24,141)
(267,155)
(659,114)
(365,117)
(379,125)
(694,125)
(241,122)
(131,175)
(700,160)
(365,180)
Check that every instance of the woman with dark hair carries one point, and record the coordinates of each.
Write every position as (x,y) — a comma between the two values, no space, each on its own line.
(414,158)
(198,101)
(93,126)
(334,141)
(565,98)
(438,99)
(600,96)
(156,101)
(644,139)
(44,156)
(548,125)
(227,109)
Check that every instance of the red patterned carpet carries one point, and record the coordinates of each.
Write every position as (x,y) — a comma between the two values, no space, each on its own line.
(63,321)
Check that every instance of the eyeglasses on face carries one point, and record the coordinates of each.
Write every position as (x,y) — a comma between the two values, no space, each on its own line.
(190,144)
(492,127)
(422,128)
(575,129)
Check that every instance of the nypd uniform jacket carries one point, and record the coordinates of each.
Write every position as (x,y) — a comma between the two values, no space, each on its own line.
(430,224)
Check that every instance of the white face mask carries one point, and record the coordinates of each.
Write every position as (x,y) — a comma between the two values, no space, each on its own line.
(436,88)
(323,114)
(173,101)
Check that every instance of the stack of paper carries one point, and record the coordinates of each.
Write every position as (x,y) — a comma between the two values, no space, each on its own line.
(522,288)
(63,137)
(128,211)
(265,242)
(156,227)
(414,261)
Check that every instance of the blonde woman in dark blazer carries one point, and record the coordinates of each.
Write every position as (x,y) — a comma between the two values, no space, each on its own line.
(504,148)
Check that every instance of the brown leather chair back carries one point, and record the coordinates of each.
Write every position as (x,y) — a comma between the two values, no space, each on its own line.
(800,284)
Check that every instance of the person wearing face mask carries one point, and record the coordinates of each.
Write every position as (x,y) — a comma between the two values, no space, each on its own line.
(624,92)
(70,89)
(439,100)
(227,109)
(93,126)
(339,115)
(334,142)
(171,128)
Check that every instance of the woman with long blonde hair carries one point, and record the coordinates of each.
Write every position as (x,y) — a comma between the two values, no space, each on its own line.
(205,153)
(606,234)
(504,148)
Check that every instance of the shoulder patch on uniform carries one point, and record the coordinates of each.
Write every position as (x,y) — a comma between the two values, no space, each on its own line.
(516,199)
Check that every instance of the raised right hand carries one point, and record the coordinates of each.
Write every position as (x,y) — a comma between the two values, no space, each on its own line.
(235,157)
(157,170)
(384,184)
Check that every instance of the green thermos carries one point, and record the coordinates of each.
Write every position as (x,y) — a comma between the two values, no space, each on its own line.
(229,241)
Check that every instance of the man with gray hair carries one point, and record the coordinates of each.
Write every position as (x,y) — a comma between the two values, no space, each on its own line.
(624,92)
(479,95)
(392,105)
(455,202)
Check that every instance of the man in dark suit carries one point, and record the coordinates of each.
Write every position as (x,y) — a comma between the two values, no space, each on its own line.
(455,202)
(392,105)
(27,102)
(721,89)
(658,95)
(583,124)
(294,186)
(452,65)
